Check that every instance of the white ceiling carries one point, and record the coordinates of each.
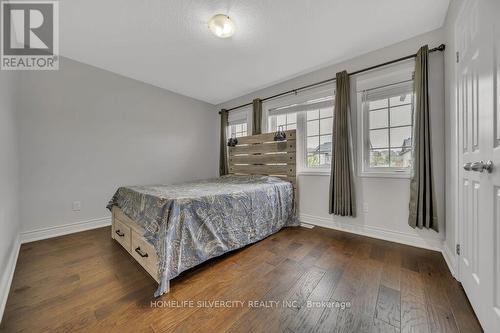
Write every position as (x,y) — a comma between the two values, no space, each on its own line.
(167,42)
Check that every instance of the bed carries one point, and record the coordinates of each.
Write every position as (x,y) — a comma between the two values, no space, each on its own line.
(171,228)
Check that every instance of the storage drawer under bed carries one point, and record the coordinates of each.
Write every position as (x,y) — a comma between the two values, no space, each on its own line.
(122,234)
(145,254)
(129,235)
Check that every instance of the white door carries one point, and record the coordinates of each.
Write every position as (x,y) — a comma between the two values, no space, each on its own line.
(478,102)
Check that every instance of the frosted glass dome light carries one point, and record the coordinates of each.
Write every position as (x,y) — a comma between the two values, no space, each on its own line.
(221,26)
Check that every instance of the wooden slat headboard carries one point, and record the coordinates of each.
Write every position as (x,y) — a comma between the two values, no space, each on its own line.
(261,155)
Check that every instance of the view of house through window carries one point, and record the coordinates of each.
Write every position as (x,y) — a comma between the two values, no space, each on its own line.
(390,131)
(319,125)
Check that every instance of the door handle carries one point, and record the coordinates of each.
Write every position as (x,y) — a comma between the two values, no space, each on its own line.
(481,166)
(467,166)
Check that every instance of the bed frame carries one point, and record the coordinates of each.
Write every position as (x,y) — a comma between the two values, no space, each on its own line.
(253,155)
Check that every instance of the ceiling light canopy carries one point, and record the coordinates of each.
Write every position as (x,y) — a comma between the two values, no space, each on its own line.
(221,26)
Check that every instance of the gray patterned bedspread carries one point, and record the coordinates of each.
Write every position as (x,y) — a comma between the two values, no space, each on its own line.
(190,223)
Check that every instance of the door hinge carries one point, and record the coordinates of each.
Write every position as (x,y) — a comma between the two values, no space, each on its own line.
(458,56)
(458,249)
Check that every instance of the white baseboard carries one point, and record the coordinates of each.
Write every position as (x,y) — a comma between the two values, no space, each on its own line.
(451,260)
(375,232)
(385,234)
(65,229)
(8,274)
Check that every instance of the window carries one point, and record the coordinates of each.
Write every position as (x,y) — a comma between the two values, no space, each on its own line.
(238,123)
(312,116)
(237,130)
(390,131)
(287,121)
(319,125)
(387,114)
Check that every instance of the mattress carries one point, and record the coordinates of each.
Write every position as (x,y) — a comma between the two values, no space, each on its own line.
(190,223)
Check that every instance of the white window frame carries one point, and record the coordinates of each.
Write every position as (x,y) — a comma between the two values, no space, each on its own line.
(382,78)
(297,102)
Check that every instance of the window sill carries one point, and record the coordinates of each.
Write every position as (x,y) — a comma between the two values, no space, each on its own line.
(397,175)
(314,173)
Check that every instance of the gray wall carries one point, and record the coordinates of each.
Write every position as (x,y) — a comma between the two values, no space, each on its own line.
(84,131)
(386,198)
(9,191)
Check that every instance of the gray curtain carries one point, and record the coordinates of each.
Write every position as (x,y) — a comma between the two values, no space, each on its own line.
(257,117)
(223,168)
(342,191)
(422,197)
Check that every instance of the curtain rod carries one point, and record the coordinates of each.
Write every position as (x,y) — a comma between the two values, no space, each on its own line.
(296,90)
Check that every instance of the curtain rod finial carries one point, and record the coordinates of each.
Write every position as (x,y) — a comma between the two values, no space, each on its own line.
(441,47)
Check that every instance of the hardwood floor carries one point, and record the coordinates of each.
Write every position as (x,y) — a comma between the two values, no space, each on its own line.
(86,282)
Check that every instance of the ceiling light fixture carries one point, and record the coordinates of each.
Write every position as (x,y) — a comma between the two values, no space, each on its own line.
(221,26)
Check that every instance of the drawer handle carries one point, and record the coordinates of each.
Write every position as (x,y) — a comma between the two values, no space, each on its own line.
(119,233)
(141,253)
